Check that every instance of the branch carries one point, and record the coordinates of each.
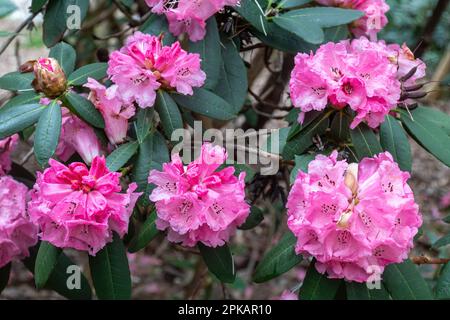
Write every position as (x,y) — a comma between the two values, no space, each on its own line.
(426,260)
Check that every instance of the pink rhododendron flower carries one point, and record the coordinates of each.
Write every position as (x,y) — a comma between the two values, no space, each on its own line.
(77,207)
(7,146)
(189,16)
(374,18)
(115,112)
(77,136)
(445,201)
(362,74)
(353,218)
(196,203)
(144,65)
(17,233)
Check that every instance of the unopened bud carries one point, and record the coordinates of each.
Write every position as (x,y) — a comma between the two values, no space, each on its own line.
(49,76)
(344,219)
(351,177)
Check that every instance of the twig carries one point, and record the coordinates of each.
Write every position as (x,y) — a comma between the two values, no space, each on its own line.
(426,260)
(254,46)
(18,30)
(273,105)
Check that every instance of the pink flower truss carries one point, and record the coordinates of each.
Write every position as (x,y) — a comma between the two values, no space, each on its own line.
(189,16)
(374,18)
(7,146)
(77,136)
(196,203)
(17,233)
(144,65)
(361,74)
(79,208)
(353,218)
(115,112)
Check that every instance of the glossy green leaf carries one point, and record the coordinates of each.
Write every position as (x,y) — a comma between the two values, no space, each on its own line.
(21,99)
(340,127)
(37,5)
(255,217)
(13,120)
(443,284)
(110,272)
(65,54)
(301,163)
(394,140)
(84,109)
(96,71)
(47,133)
(143,123)
(46,260)
(444,241)
(169,113)
(146,233)
(210,52)
(16,81)
(119,157)
(254,12)
(360,291)
(404,282)
(432,137)
(278,260)
(286,4)
(317,286)
(365,141)
(206,103)
(219,261)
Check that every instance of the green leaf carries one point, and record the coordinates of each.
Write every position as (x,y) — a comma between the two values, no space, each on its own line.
(280,259)
(441,119)
(152,154)
(157,25)
(298,127)
(83,108)
(286,4)
(37,5)
(233,83)
(4,276)
(404,282)
(143,123)
(16,81)
(432,137)
(206,103)
(442,241)
(6,8)
(443,284)
(21,99)
(255,217)
(219,261)
(307,23)
(48,131)
(13,120)
(119,157)
(168,112)
(57,16)
(65,54)
(394,140)
(365,141)
(46,260)
(110,272)
(317,286)
(96,71)
(359,291)
(301,163)
(61,276)
(210,53)
(340,127)
(145,235)
(253,12)
(303,141)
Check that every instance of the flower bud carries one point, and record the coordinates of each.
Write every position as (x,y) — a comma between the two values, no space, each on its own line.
(49,76)
(351,177)
(344,219)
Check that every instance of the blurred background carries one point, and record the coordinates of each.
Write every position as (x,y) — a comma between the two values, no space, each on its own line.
(166,271)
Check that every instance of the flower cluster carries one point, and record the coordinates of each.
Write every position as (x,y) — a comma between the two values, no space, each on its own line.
(115,112)
(77,136)
(17,233)
(76,207)
(353,218)
(7,146)
(196,203)
(362,74)
(189,16)
(144,65)
(374,18)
